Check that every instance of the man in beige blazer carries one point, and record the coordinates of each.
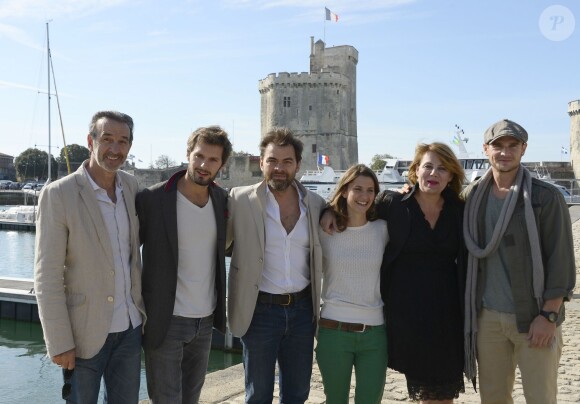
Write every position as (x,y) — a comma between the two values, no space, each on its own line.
(88,269)
(275,273)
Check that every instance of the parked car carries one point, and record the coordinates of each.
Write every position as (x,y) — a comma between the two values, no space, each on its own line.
(5,184)
(29,185)
(15,185)
(566,194)
(38,186)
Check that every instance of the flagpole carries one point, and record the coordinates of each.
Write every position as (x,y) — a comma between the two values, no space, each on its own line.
(324,33)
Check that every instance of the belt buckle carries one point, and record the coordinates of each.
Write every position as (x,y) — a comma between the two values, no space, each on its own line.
(363,329)
(289,299)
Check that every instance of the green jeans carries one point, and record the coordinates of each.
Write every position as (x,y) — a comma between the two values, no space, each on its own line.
(338,351)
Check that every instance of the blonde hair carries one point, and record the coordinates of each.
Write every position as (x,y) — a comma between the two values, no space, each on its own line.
(338,202)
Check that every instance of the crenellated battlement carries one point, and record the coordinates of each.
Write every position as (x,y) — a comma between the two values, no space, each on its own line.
(574,108)
(304,79)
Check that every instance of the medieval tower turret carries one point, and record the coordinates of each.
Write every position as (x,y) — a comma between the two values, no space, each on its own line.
(319,106)
(574,112)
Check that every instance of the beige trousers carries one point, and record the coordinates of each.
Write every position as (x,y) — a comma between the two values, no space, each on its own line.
(500,348)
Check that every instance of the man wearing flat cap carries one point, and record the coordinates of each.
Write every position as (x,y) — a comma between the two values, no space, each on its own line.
(521,270)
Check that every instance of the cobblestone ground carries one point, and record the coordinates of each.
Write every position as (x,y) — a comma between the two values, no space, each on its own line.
(227,386)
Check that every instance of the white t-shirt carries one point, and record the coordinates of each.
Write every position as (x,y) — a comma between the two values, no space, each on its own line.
(195,296)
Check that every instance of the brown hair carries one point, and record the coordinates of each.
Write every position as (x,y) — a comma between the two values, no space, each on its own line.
(212,135)
(338,202)
(449,160)
(282,137)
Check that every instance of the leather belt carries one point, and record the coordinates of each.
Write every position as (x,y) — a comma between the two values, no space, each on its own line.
(285,299)
(341,326)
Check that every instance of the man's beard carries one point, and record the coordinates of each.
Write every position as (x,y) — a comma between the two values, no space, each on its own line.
(280,184)
(198,180)
(509,169)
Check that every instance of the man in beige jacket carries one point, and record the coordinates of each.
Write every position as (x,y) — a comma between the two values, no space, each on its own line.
(275,273)
(88,269)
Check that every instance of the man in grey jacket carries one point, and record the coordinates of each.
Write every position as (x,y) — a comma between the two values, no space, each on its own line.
(520,271)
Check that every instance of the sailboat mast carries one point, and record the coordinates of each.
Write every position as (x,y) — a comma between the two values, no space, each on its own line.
(48,81)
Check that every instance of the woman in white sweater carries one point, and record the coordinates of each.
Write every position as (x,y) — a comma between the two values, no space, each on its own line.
(351,328)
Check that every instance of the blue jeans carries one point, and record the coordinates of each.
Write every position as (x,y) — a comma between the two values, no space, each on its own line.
(286,334)
(118,362)
(176,369)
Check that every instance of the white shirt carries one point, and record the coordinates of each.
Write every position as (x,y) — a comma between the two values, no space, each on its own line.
(286,256)
(195,296)
(116,220)
(351,273)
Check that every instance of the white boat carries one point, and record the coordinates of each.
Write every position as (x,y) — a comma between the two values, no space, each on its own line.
(19,214)
(474,167)
(323,182)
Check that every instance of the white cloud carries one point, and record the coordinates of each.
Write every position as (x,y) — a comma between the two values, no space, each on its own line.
(337,6)
(8,84)
(19,36)
(46,9)
(349,11)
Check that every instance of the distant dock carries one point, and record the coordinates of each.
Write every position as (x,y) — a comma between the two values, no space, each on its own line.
(18,302)
(10,225)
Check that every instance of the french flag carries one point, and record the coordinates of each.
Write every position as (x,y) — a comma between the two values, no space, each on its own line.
(330,16)
(323,159)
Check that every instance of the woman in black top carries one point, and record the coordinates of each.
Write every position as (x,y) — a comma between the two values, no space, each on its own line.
(423,276)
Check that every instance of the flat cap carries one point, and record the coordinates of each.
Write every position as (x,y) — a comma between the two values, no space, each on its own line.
(505,127)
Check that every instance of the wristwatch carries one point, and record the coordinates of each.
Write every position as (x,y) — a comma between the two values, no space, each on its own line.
(551,316)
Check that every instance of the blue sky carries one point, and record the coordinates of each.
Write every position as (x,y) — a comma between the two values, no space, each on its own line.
(423,67)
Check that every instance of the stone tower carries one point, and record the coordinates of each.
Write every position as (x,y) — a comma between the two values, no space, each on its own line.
(574,112)
(319,106)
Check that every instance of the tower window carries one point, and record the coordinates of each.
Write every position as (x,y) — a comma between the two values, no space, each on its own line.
(286,101)
(310,107)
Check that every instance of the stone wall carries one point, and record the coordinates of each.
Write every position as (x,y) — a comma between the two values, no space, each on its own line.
(552,169)
(239,170)
(574,112)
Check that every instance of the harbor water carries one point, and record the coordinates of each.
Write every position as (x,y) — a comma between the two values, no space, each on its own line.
(28,376)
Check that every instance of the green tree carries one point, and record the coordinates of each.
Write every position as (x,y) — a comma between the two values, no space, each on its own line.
(76,154)
(378,163)
(164,161)
(33,163)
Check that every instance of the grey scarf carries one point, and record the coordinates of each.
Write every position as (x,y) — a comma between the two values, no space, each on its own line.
(523,183)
